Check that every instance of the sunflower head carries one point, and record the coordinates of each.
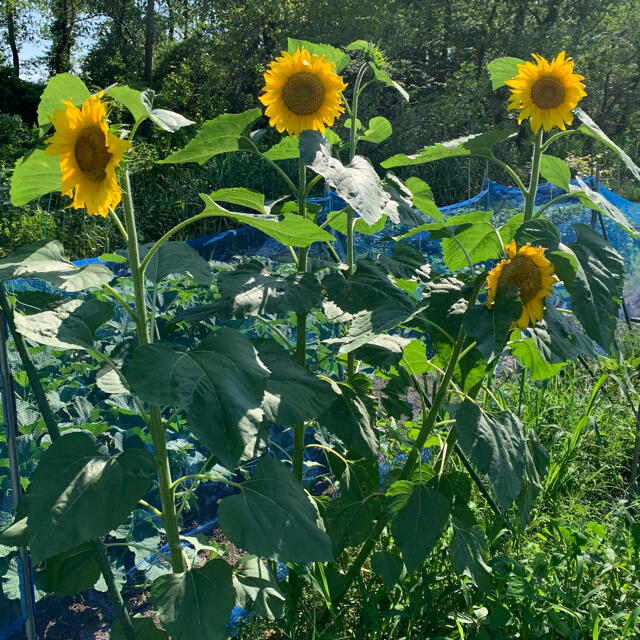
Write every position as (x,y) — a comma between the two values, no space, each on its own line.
(89,155)
(302,92)
(531,272)
(546,92)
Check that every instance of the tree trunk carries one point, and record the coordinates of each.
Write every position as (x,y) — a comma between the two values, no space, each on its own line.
(62,35)
(148,42)
(11,36)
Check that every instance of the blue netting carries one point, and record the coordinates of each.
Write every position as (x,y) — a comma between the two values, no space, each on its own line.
(248,242)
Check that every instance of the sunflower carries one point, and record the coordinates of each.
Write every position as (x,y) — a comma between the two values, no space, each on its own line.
(302,92)
(531,272)
(89,155)
(546,92)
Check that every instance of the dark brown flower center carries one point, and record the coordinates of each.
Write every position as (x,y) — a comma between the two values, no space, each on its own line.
(547,93)
(524,273)
(303,93)
(92,154)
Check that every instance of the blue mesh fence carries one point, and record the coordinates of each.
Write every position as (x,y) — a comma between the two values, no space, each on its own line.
(54,612)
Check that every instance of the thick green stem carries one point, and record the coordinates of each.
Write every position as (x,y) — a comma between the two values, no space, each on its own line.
(535,175)
(301,327)
(156,426)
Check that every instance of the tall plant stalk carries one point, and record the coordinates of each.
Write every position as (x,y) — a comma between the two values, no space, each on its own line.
(530,197)
(167,492)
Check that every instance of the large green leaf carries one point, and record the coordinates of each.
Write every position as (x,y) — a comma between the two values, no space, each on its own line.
(422,197)
(528,353)
(286,149)
(293,393)
(596,297)
(350,517)
(223,134)
(166,120)
(45,260)
(479,144)
(357,183)
(590,128)
(63,86)
(388,565)
(503,69)
(78,494)
(556,171)
(383,351)
(407,263)
(131,99)
(257,588)
(196,604)
(496,446)
(476,240)
(331,54)
(35,175)
(347,416)
(220,384)
(469,555)
(273,517)
(595,200)
(144,628)
(290,229)
(379,130)
(250,290)
(339,223)
(490,327)
(536,468)
(418,517)
(176,257)
(70,572)
(242,197)
(70,325)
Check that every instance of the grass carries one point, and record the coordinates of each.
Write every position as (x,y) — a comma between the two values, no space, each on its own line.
(572,573)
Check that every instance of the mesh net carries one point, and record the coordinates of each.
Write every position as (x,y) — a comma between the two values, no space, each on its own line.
(89,615)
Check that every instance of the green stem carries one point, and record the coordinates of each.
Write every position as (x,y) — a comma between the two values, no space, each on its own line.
(121,300)
(156,426)
(301,327)
(535,175)
(514,176)
(143,547)
(551,202)
(557,136)
(100,552)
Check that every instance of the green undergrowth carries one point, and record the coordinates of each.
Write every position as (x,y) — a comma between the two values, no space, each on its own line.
(571,573)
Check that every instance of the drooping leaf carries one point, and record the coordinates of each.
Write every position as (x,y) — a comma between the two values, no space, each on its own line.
(383,351)
(479,144)
(556,171)
(220,384)
(503,69)
(331,54)
(388,565)
(382,76)
(590,128)
(274,518)
(422,197)
(196,604)
(528,353)
(35,175)
(176,257)
(347,416)
(289,229)
(350,517)
(469,555)
(293,393)
(70,325)
(45,260)
(418,517)
(495,444)
(223,134)
(78,494)
(536,468)
(242,197)
(257,588)
(70,572)
(490,327)
(407,263)
(596,297)
(63,86)
(357,183)
(339,223)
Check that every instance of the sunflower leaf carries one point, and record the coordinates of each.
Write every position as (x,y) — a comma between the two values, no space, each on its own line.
(35,175)
(339,58)
(556,171)
(62,86)
(473,145)
(131,99)
(503,69)
(223,134)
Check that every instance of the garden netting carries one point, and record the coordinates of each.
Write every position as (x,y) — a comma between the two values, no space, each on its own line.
(89,615)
